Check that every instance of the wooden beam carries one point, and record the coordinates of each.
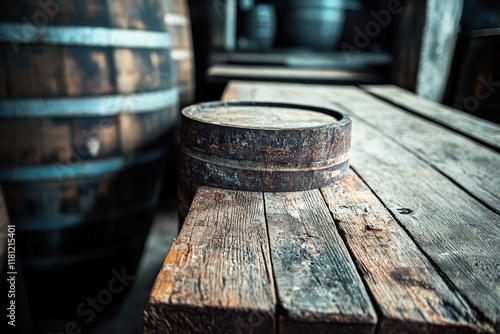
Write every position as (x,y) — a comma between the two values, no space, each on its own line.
(217,276)
(408,290)
(480,130)
(467,163)
(319,289)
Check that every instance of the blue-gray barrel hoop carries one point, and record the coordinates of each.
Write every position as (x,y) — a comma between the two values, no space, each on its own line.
(84,36)
(96,106)
(60,171)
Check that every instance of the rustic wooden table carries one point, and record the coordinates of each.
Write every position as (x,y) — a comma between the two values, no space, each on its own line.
(409,242)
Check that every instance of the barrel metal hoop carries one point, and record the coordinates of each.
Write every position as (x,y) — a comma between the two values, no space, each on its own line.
(108,105)
(259,166)
(83,36)
(180,54)
(174,19)
(60,171)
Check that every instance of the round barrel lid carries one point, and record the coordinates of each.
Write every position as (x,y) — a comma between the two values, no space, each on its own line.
(261,146)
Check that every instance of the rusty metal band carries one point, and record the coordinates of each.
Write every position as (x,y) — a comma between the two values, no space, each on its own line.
(23,33)
(266,166)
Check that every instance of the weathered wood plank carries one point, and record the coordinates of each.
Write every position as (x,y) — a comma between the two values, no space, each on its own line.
(317,283)
(469,164)
(409,292)
(456,232)
(476,128)
(439,36)
(280,73)
(217,276)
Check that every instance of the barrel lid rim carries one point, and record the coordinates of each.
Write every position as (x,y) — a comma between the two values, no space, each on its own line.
(343,119)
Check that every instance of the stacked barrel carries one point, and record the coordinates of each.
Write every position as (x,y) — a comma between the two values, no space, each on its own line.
(87,101)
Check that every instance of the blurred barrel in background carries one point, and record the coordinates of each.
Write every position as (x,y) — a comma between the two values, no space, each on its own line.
(260,26)
(178,24)
(87,101)
(316,24)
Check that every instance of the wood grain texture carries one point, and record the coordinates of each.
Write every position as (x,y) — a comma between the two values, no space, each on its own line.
(442,25)
(476,128)
(317,283)
(455,231)
(137,15)
(217,276)
(469,164)
(178,24)
(408,290)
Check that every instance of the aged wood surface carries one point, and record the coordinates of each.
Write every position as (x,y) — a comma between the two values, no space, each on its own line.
(217,276)
(409,292)
(476,128)
(439,36)
(455,231)
(134,14)
(467,163)
(318,286)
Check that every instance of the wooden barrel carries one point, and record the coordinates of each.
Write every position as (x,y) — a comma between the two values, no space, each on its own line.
(260,26)
(178,24)
(259,146)
(316,24)
(86,103)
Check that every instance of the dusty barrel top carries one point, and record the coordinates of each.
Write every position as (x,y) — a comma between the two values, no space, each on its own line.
(260,146)
(260,117)
(293,135)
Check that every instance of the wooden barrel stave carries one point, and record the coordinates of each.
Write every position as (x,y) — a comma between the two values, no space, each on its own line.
(178,25)
(124,14)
